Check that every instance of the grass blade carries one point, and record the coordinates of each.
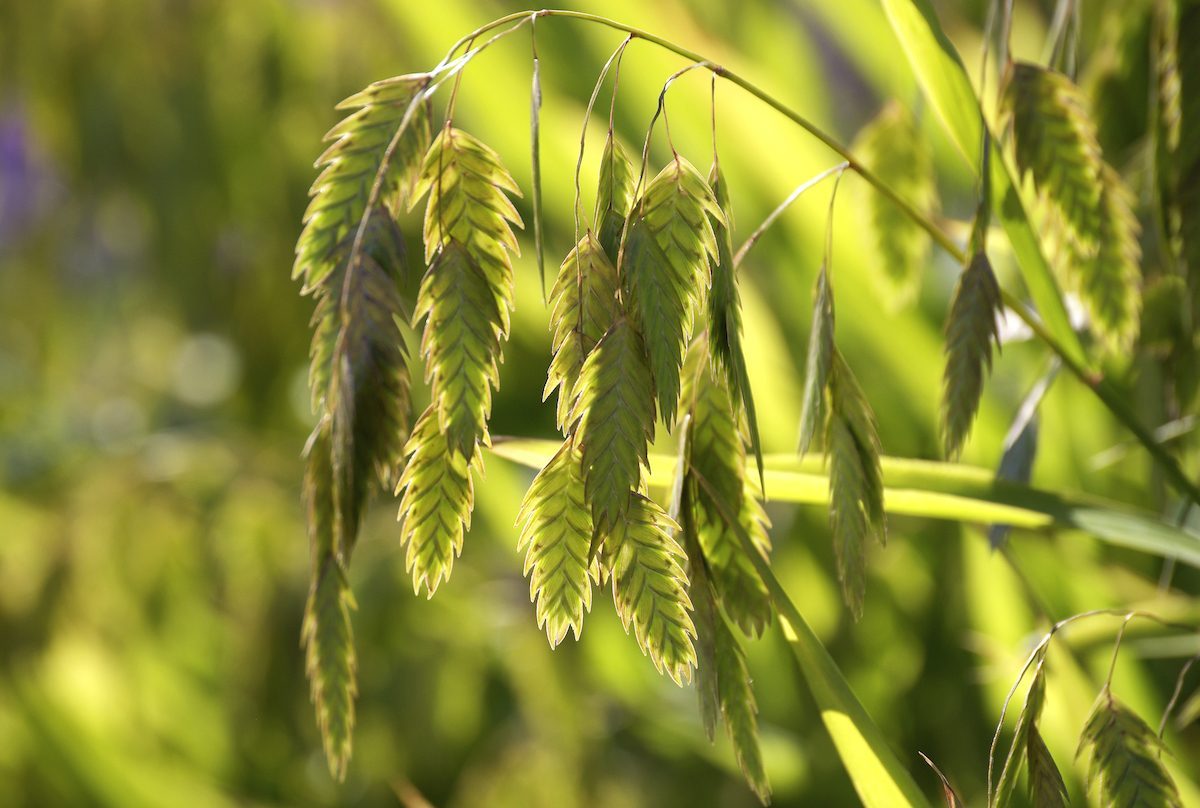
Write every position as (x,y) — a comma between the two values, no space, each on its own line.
(877,775)
(944,491)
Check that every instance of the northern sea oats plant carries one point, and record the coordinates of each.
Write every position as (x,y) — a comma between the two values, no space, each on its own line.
(646,329)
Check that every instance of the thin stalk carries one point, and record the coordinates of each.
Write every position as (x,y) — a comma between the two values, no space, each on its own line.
(1110,397)
(753,238)
(719,70)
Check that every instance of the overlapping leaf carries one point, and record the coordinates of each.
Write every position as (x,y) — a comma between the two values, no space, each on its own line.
(468,190)
(614,196)
(461,344)
(467,293)
(722,678)
(739,709)
(327,634)
(370,393)
(665,269)
(971,330)
(613,418)
(718,453)
(855,480)
(556,535)
(895,151)
(384,112)
(437,498)
(583,304)
(382,249)
(1125,754)
(650,587)
(358,373)
(351,258)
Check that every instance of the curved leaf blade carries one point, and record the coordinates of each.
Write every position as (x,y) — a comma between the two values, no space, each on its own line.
(950,491)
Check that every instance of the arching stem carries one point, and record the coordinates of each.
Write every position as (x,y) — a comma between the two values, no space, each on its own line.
(1108,396)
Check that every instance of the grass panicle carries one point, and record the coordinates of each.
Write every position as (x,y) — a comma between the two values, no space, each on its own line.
(467,292)
(437,496)
(1055,143)
(817,365)
(613,418)
(972,329)
(725,316)
(583,304)
(855,481)
(666,269)
(556,534)
(717,438)
(614,196)
(893,148)
(650,588)
(1125,758)
(326,632)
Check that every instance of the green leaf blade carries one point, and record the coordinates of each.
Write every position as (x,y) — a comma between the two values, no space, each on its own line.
(950,491)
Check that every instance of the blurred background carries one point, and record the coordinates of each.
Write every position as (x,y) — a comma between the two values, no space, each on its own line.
(154,164)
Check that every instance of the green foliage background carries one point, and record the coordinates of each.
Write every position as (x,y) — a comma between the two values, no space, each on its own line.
(154,162)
